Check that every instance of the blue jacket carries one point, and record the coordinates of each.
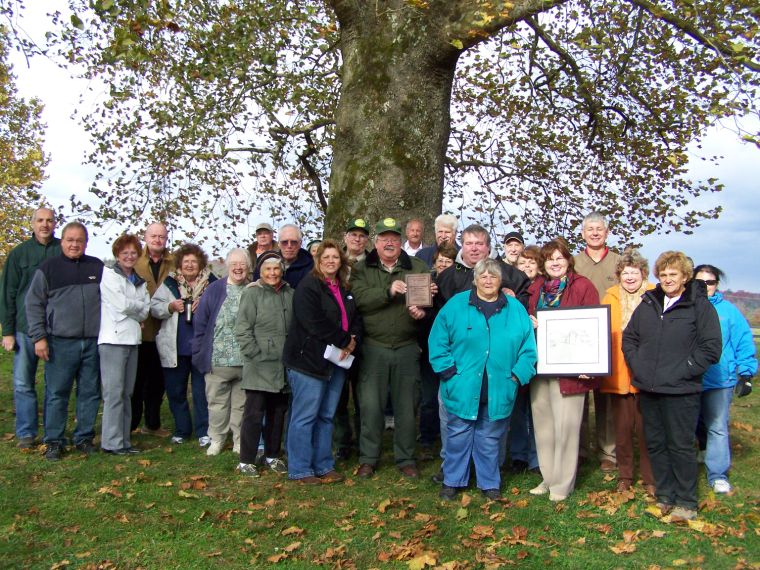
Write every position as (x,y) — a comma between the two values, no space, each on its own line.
(462,340)
(738,356)
(203,324)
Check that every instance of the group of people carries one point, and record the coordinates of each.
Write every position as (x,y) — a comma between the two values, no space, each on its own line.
(278,347)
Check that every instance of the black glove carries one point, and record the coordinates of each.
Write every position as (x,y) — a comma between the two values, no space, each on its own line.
(743,386)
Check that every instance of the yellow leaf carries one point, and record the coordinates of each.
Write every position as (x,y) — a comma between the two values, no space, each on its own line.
(420,562)
(292,530)
(186,495)
(461,513)
(383,506)
(457,44)
(679,562)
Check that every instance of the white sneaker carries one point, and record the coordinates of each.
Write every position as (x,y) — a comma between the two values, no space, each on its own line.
(542,489)
(722,486)
(204,440)
(277,465)
(214,448)
(248,469)
(178,440)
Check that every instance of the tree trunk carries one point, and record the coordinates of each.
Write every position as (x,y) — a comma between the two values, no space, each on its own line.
(393,117)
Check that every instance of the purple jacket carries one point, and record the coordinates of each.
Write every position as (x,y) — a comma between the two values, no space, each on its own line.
(204,321)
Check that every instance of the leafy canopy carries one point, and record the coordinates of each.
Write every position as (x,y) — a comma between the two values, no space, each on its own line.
(218,110)
(22,160)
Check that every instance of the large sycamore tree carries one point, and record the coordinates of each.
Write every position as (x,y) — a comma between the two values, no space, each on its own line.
(525,113)
(22,159)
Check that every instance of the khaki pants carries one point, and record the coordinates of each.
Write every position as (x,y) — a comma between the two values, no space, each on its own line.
(557,423)
(226,400)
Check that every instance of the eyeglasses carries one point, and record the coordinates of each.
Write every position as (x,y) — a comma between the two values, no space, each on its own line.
(709,282)
(289,242)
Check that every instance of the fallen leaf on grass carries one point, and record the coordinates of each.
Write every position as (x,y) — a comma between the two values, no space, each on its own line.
(422,517)
(742,426)
(8,436)
(623,548)
(167,484)
(658,533)
(149,505)
(461,513)
(292,530)
(466,499)
(213,554)
(275,558)
(144,462)
(581,541)
(521,504)
(630,535)
(109,491)
(425,559)
(61,564)
(292,546)
(186,495)
(706,528)
(81,555)
(479,532)
(122,518)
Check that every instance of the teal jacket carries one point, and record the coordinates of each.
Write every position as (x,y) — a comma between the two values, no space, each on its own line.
(19,269)
(463,344)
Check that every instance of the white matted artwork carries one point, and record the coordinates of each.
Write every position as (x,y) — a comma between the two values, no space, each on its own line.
(574,341)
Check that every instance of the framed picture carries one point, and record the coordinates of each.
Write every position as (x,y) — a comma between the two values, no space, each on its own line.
(574,341)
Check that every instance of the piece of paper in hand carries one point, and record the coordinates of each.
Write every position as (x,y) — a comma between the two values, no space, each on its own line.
(332,353)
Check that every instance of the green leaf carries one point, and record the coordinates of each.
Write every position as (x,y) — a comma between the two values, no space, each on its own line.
(77,22)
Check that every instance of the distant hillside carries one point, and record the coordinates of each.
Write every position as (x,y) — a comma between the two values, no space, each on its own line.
(748,303)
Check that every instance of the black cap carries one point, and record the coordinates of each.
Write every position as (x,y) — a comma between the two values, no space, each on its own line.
(514,236)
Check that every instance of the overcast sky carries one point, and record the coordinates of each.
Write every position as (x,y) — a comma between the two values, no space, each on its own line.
(729,242)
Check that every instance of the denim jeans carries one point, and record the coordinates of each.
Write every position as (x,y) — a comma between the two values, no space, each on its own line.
(24,393)
(714,413)
(477,439)
(311,423)
(175,381)
(522,440)
(70,359)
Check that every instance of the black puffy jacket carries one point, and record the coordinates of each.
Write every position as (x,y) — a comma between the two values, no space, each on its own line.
(668,352)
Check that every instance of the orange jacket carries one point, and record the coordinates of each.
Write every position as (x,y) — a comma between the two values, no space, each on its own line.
(619,382)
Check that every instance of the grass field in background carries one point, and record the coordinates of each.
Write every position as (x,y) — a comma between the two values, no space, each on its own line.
(173,507)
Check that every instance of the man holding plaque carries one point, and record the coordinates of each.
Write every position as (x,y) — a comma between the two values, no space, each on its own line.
(390,350)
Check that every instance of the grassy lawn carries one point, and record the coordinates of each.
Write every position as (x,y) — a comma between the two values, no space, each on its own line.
(173,507)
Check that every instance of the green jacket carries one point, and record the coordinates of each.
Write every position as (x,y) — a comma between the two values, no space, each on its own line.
(262,325)
(386,320)
(19,269)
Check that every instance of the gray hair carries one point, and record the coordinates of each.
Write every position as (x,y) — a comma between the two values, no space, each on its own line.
(595,217)
(240,253)
(48,208)
(448,221)
(293,227)
(486,265)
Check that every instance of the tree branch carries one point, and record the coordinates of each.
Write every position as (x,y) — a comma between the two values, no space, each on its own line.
(690,30)
(313,174)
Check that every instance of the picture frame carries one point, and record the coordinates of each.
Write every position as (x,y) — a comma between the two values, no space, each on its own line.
(574,341)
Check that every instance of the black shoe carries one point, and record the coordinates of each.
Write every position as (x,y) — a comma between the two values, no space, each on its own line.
(448,493)
(519,466)
(131,451)
(26,442)
(438,477)
(344,453)
(54,452)
(113,451)
(491,494)
(85,447)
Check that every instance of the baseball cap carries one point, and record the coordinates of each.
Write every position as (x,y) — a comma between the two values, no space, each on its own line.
(514,236)
(388,225)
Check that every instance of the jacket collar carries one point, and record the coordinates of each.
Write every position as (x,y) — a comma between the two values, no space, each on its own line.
(119,271)
(501,300)
(404,261)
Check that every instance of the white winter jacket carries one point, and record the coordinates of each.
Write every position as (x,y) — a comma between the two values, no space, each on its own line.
(123,306)
(166,338)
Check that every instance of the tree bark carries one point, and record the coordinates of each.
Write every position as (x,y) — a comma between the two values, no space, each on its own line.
(393,117)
